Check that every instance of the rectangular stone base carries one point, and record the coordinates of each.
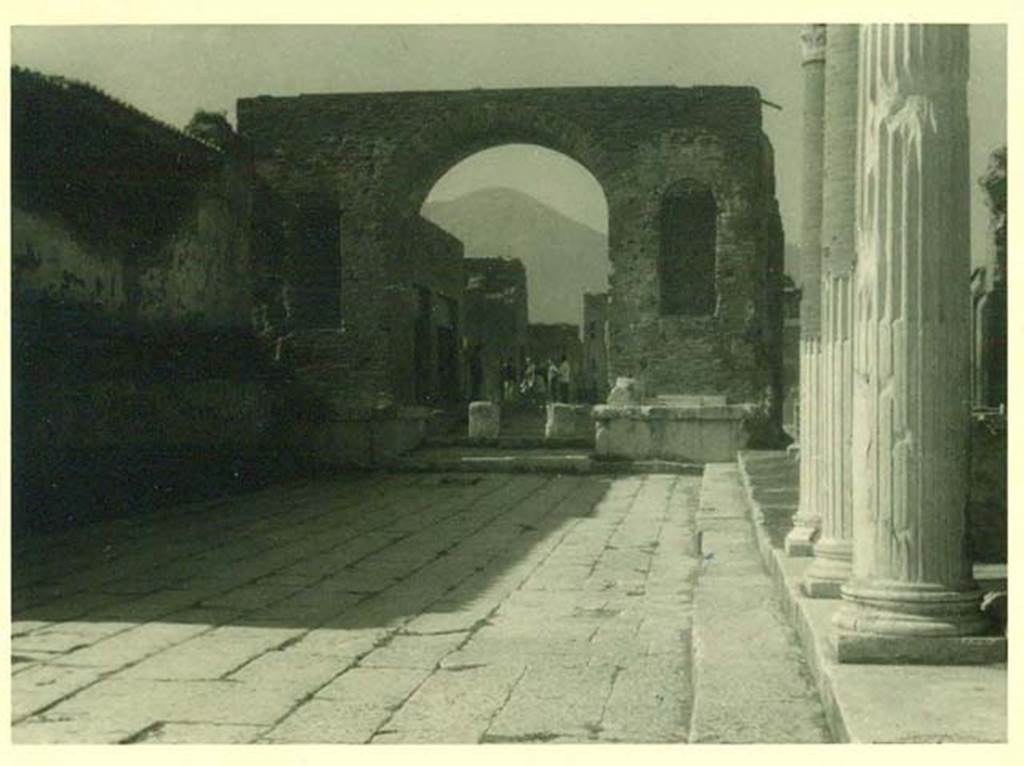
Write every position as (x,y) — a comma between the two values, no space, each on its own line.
(706,433)
(800,541)
(966,650)
(821,589)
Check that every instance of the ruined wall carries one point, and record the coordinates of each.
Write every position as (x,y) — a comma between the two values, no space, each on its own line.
(494,323)
(132,296)
(594,383)
(381,154)
(424,300)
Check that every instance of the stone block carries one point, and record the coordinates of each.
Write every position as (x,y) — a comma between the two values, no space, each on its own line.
(484,420)
(569,421)
(363,436)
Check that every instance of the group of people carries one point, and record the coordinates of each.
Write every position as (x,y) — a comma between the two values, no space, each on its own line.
(551,382)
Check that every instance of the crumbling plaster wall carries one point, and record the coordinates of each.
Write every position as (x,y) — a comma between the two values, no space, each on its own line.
(132,298)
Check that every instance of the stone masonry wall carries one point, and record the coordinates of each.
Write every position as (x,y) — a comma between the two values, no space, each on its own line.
(594,383)
(381,153)
(427,269)
(132,300)
(494,321)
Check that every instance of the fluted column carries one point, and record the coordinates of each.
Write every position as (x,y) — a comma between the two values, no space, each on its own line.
(799,542)
(833,551)
(911,570)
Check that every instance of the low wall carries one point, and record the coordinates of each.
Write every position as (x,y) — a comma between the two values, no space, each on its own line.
(361,437)
(704,434)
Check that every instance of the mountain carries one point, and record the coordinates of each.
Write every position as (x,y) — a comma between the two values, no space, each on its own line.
(563,258)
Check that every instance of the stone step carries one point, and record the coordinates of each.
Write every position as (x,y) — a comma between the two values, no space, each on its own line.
(521,461)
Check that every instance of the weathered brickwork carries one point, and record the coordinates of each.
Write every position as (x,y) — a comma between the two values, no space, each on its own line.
(594,383)
(423,317)
(378,155)
(495,323)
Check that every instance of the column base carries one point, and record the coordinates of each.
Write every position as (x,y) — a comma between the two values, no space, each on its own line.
(833,564)
(800,540)
(900,623)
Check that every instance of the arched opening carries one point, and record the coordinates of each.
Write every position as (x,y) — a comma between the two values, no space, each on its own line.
(533,224)
(686,261)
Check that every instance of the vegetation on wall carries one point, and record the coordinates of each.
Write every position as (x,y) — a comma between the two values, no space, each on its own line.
(115,176)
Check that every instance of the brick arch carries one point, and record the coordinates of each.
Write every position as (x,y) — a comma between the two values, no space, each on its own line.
(442,144)
(377,155)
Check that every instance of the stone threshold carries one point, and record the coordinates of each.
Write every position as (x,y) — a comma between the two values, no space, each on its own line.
(511,442)
(888,703)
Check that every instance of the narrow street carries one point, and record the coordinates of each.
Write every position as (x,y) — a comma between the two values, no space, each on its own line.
(383,608)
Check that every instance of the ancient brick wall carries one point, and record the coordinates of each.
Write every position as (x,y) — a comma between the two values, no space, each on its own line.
(132,294)
(424,299)
(381,153)
(494,323)
(594,383)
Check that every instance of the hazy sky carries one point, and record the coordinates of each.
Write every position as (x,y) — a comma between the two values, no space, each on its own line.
(170,71)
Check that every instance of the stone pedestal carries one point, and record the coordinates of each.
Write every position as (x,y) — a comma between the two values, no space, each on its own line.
(625,393)
(912,579)
(687,434)
(799,542)
(833,551)
(484,420)
(569,421)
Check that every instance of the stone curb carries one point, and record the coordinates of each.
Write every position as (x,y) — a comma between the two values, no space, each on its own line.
(583,465)
(796,617)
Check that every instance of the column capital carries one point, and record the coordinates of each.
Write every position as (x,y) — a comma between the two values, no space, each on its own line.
(812,42)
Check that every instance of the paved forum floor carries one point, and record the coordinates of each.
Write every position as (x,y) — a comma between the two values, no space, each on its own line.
(401,608)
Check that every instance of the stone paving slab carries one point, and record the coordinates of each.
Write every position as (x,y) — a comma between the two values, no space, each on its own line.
(752,683)
(422,607)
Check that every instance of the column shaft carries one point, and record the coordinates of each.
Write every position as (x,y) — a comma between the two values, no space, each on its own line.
(911,569)
(800,539)
(833,550)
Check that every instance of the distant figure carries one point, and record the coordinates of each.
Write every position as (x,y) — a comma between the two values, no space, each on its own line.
(508,380)
(553,387)
(564,378)
(529,384)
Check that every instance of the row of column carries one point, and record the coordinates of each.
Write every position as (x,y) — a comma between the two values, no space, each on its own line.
(885,342)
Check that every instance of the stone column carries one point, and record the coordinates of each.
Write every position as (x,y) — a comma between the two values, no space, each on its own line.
(799,542)
(834,548)
(912,575)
